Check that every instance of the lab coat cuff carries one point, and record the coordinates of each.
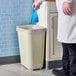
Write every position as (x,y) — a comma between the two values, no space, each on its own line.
(70,1)
(40,1)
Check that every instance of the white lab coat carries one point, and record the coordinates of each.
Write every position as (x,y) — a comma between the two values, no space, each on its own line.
(66,24)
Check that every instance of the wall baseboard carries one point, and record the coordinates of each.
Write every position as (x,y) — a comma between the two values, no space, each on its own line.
(16,59)
(9,59)
(53,64)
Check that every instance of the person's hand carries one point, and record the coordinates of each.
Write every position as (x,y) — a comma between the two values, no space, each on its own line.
(67,8)
(36,4)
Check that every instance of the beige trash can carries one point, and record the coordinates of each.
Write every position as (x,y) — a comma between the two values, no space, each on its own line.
(31,43)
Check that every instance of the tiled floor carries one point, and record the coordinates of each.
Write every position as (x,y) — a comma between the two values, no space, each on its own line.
(19,70)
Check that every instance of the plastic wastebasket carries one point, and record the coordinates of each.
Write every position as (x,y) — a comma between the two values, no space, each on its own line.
(31,43)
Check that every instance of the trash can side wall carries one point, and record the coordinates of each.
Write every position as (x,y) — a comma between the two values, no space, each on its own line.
(25,45)
(38,49)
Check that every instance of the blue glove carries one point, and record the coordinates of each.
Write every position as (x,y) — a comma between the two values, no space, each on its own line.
(34,17)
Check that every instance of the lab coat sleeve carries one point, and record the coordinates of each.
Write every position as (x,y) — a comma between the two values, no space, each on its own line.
(68,1)
(41,1)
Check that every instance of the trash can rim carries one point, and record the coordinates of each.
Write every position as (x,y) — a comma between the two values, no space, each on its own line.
(31,27)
